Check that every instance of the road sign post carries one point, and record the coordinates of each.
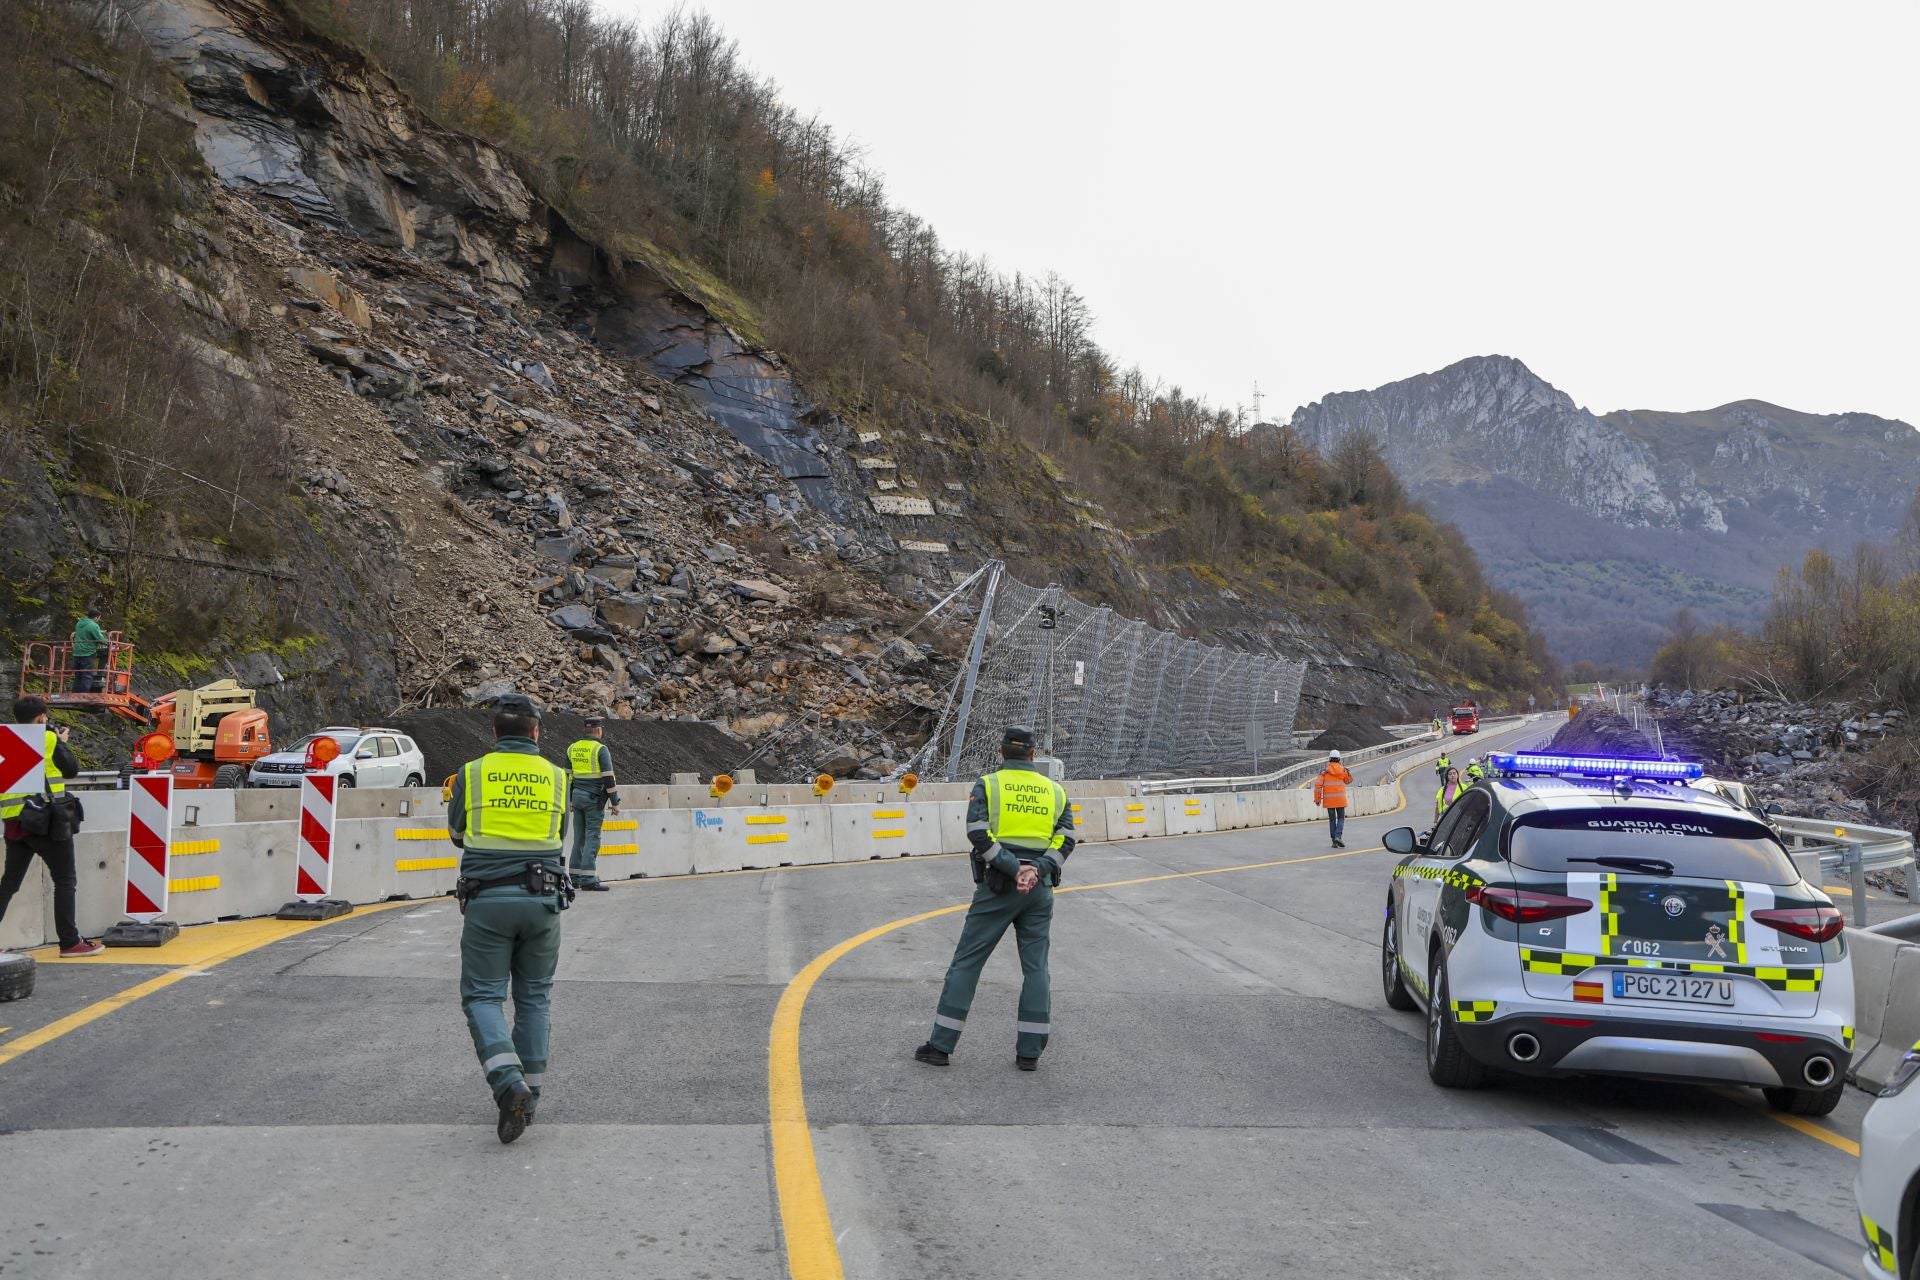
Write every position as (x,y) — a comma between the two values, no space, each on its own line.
(313,861)
(149,845)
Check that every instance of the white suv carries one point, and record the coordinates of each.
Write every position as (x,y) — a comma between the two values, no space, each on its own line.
(370,757)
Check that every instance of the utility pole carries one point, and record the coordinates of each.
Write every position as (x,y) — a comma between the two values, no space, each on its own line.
(974,653)
(1256,401)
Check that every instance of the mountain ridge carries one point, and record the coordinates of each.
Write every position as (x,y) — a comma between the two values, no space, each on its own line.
(1733,493)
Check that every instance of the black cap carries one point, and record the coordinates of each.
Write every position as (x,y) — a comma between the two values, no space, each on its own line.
(593,722)
(1016,736)
(517,704)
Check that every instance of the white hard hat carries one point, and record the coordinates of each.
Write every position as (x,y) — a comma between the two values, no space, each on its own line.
(1334,754)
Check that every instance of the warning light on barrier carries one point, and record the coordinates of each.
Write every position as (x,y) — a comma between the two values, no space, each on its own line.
(153,751)
(908,782)
(321,752)
(822,784)
(721,785)
(446,790)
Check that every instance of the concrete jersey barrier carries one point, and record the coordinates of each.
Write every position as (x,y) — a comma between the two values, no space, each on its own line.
(233,852)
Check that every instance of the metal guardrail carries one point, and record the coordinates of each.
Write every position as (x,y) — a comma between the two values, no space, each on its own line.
(1853,851)
(1301,772)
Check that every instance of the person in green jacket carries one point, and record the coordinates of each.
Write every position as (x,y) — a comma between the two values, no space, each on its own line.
(591,792)
(1441,766)
(1450,790)
(89,651)
(508,814)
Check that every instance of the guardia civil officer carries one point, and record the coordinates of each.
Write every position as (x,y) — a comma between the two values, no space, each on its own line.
(1021,829)
(590,794)
(508,814)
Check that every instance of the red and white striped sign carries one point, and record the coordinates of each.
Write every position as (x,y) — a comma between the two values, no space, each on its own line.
(149,828)
(313,879)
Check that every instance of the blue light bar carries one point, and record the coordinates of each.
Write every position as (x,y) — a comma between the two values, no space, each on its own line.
(1541,762)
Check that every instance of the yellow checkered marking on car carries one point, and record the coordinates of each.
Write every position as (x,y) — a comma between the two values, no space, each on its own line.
(1609,916)
(1882,1241)
(1474,1010)
(1565,962)
(1736,920)
(1846,1037)
(1408,972)
(1451,876)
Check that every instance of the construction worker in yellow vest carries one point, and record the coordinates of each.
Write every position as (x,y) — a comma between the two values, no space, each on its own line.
(591,791)
(1021,828)
(508,814)
(53,847)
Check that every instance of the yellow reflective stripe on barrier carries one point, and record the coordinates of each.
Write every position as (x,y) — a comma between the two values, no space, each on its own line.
(772,837)
(890,835)
(766,819)
(1136,818)
(196,884)
(426,864)
(1135,808)
(618,850)
(189,848)
(889,813)
(623,824)
(422,833)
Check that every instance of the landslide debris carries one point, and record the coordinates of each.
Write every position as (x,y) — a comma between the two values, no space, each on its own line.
(644,751)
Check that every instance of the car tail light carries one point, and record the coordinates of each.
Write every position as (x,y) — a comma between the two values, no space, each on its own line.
(1524,906)
(1772,1037)
(1815,924)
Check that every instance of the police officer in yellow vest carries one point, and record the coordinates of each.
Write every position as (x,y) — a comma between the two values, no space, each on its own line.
(1021,828)
(590,793)
(508,814)
(53,847)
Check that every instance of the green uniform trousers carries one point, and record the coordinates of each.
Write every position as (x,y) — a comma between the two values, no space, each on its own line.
(1031,915)
(584,865)
(510,941)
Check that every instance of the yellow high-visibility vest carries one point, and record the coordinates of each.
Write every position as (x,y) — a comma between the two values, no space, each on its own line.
(583,758)
(514,803)
(1022,808)
(14,801)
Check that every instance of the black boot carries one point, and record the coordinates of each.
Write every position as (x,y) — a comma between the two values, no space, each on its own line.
(513,1104)
(1027,1064)
(931,1056)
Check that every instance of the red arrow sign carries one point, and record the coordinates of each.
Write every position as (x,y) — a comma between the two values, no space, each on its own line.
(23,757)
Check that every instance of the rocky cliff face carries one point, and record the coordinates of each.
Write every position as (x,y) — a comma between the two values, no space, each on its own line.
(533,463)
(1605,525)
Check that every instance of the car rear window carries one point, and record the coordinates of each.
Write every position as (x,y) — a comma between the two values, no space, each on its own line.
(1706,845)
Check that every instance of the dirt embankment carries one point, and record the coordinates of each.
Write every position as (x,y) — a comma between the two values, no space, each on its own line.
(643,750)
(1598,731)
(1350,734)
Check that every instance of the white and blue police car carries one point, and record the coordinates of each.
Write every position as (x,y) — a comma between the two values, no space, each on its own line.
(1573,915)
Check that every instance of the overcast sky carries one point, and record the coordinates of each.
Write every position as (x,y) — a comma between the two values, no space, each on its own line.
(1655,205)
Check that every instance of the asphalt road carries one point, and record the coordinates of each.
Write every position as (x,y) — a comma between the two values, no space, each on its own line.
(1225,1096)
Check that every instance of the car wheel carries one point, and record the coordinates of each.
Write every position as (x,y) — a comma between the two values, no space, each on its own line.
(16,976)
(1807,1102)
(345,779)
(414,780)
(1448,1063)
(1391,979)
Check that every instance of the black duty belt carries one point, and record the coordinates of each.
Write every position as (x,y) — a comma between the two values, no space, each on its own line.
(537,878)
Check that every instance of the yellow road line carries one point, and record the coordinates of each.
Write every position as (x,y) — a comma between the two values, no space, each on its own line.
(1799,1124)
(812,1252)
(250,940)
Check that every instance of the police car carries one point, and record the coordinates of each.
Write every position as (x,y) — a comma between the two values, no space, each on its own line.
(1888,1185)
(1573,915)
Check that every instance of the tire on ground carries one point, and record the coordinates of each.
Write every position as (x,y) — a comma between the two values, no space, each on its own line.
(1449,1065)
(230,777)
(1807,1102)
(16,976)
(1391,979)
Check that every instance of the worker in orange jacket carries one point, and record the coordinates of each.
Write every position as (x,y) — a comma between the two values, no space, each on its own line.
(1330,793)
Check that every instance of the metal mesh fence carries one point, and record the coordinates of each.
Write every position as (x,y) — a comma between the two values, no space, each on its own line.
(1109,696)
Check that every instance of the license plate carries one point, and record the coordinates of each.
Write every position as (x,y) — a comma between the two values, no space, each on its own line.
(1674,988)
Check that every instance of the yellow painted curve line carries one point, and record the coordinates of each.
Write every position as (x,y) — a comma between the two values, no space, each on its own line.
(99,1009)
(1799,1124)
(812,1251)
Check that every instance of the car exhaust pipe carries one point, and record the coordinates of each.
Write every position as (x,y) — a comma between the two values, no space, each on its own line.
(1522,1047)
(1818,1072)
